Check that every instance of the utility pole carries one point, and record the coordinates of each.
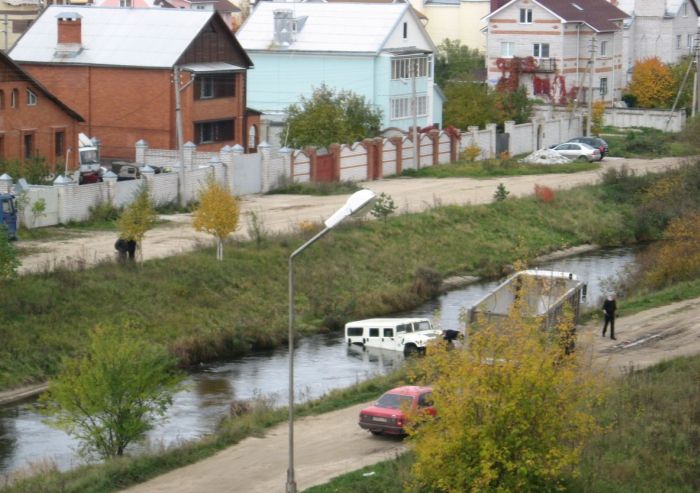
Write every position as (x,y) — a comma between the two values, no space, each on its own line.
(414,107)
(178,129)
(696,80)
(590,85)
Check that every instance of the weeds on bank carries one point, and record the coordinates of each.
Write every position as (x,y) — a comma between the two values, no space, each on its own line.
(490,168)
(285,186)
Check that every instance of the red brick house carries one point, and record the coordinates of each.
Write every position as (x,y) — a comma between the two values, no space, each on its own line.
(116,68)
(33,122)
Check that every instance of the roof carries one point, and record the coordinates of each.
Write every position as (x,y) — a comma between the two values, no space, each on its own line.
(153,38)
(212,68)
(386,321)
(598,14)
(420,15)
(4,59)
(672,6)
(330,27)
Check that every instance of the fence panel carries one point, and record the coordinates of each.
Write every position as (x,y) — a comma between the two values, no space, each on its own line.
(425,150)
(247,174)
(443,148)
(163,188)
(79,199)
(125,191)
(49,217)
(407,153)
(353,163)
(301,167)
(389,163)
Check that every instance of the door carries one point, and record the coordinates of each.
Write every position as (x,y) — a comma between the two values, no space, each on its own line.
(389,338)
(324,168)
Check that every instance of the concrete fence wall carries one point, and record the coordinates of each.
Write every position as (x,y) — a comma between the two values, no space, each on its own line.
(664,120)
(261,172)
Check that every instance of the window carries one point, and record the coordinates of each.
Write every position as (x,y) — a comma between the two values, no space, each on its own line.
(603,86)
(402,68)
(355,331)
(603,48)
(540,50)
(31,98)
(215,86)
(526,16)
(13,98)
(218,131)
(425,400)
(59,143)
(125,3)
(690,42)
(405,30)
(507,48)
(401,107)
(252,138)
(374,332)
(685,9)
(388,332)
(678,41)
(28,141)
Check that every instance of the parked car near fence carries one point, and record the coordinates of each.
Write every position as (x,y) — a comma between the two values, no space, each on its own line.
(392,412)
(596,142)
(577,151)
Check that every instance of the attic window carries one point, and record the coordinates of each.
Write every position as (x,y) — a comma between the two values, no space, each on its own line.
(405,30)
(31,98)
(576,6)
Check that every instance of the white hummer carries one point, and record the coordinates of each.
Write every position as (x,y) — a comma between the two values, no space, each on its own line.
(410,335)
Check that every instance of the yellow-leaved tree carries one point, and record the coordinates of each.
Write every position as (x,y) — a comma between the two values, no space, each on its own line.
(138,217)
(217,214)
(652,84)
(514,409)
(677,256)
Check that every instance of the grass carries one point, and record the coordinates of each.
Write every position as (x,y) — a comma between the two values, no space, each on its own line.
(203,310)
(492,168)
(651,441)
(123,472)
(317,188)
(648,143)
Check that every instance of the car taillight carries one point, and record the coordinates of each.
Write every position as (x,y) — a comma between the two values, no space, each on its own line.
(399,421)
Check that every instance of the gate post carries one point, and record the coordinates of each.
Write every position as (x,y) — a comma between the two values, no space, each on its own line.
(334,151)
(398,142)
(454,135)
(313,166)
(435,138)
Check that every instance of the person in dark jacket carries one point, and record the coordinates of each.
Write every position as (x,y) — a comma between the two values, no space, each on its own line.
(609,307)
(124,248)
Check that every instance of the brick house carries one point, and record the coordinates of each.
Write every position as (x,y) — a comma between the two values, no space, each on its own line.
(33,122)
(559,51)
(116,68)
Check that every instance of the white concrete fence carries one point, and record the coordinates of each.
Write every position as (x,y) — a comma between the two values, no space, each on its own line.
(66,201)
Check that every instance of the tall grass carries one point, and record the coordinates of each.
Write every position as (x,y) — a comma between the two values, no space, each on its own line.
(203,309)
(490,168)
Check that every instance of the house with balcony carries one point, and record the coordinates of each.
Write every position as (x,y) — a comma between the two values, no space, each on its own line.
(379,51)
(664,29)
(559,51)
(116,68)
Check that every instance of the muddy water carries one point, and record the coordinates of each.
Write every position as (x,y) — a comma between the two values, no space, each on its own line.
(322,363)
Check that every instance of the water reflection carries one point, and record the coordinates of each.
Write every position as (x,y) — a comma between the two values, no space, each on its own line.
(322,363)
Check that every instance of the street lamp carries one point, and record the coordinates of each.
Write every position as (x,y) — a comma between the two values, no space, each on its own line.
(358,203)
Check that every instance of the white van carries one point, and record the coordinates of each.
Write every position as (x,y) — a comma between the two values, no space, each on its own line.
(409,335)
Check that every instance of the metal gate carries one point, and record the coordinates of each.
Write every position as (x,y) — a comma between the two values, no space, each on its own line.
(324,168)
(502,143)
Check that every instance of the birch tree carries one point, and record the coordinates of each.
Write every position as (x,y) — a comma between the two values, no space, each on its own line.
(217,214)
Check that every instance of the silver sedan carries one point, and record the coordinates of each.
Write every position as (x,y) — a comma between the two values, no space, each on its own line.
(578,151)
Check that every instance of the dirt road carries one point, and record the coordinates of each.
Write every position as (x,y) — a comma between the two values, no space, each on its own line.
(333,444)
(281,213)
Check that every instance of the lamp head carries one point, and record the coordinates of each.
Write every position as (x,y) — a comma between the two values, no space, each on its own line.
(357,204)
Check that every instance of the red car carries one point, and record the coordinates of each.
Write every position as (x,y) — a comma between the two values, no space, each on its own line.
(389,414)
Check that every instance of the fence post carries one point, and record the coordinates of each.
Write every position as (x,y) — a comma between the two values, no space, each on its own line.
(398,142)
(141,149)
(5,183)
(110,180)
(147,174)
(287,167)
(188,155)
(454,135)
(226,159)
(435,139)
(334,150)
(264,150)
(493,130)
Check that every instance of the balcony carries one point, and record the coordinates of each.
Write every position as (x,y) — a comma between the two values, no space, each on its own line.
(540,65)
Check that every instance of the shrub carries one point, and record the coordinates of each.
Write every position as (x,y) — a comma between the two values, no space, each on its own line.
(501,193)
(544,193)
(427,283)
(383,207)
(471,153)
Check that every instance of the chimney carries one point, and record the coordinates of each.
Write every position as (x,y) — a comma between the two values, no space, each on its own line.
(69,28)
(69,42)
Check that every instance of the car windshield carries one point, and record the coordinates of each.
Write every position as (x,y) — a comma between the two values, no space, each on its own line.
(394,401)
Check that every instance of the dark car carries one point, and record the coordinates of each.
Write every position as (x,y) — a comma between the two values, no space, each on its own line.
(393,409)
(596,142)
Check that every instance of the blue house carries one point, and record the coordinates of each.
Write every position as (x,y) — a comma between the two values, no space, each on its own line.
(380,51)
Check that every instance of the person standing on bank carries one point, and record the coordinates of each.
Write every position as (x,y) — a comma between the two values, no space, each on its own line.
(609,307)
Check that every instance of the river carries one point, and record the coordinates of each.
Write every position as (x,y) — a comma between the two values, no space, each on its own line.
(322,363)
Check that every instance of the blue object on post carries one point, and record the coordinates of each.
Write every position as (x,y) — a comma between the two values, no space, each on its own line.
(9,214)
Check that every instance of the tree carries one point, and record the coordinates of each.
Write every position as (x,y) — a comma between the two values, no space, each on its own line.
(469,103)
(652,84)
(456,62)
(501,193)
(217,214)
(328,117)
(514,406)
(513,105)
(678,72)
(8,256)
(598,117)
(112,395)
(677,257)
(383,207)
(138,217)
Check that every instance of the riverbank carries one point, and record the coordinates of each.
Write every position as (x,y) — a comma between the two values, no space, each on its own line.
(204,310)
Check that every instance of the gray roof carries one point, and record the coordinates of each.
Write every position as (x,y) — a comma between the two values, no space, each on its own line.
(330,27)
(115,36)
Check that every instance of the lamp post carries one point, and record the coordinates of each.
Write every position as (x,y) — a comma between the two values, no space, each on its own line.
(358,203)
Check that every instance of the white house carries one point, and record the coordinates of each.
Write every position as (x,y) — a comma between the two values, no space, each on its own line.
(558,50)
(380,51)
(665,29)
